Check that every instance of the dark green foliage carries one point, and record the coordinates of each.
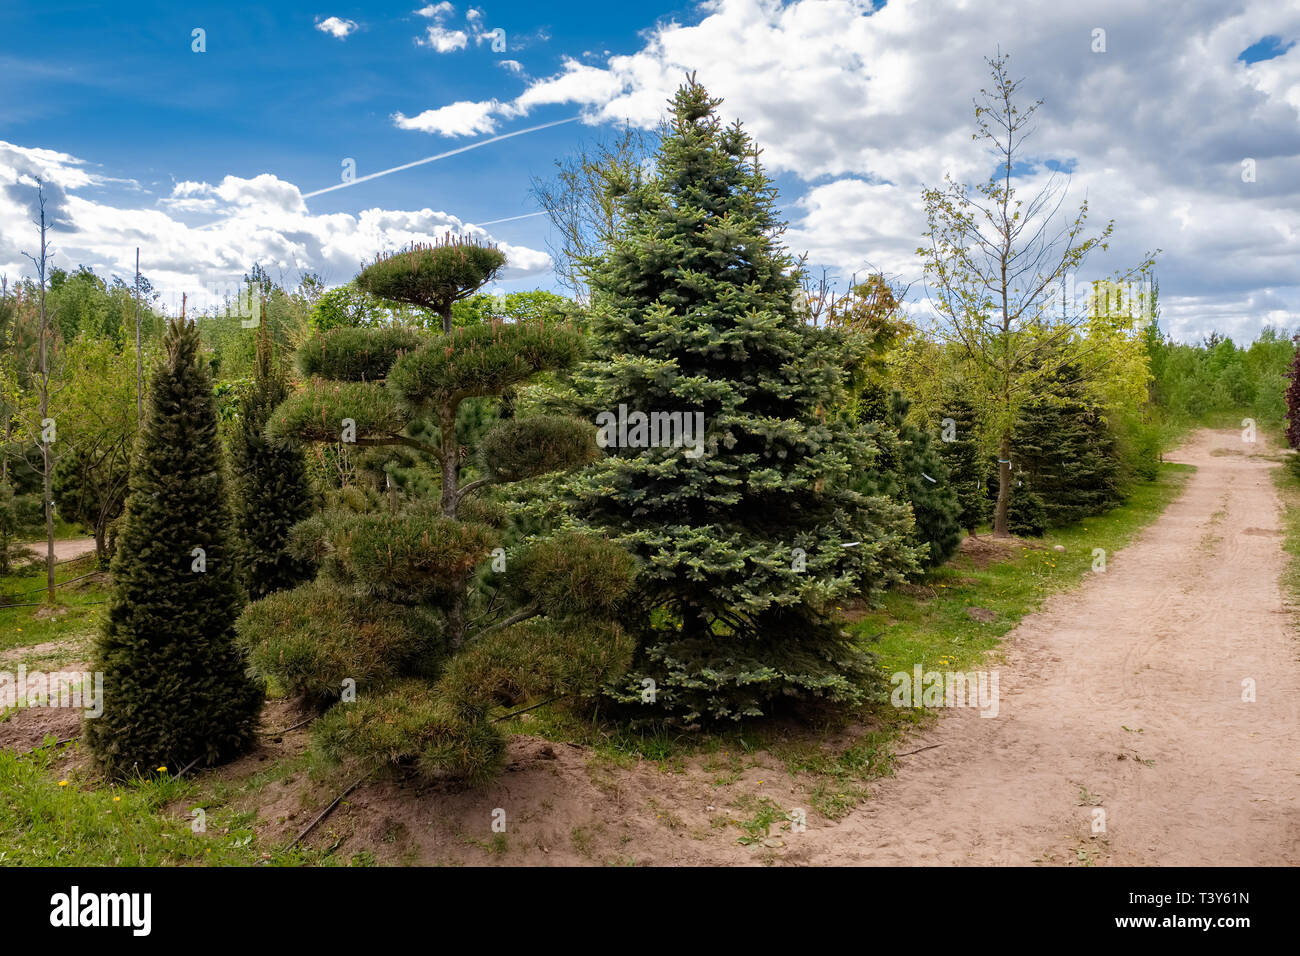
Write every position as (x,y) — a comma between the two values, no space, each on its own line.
(356,354)
(485,511)
(175,683)
(410,723)
(1293,401)
(572,575)
(927,486)
(745,548)
(9,551)
(962,457)
(310,639)
(535,660)
(1066,452)
(445,729)
(1026,513)
(711,676)
(483,360)
(519,448)
(272,491)
(433,276)
(90,486)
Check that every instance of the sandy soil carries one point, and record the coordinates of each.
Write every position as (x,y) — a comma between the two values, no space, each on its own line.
(65,549)
(1159,644)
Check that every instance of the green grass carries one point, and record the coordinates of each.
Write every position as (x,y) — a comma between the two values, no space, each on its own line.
(78,606)
(47,820)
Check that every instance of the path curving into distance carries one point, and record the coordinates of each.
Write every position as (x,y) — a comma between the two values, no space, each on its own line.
(1160,644)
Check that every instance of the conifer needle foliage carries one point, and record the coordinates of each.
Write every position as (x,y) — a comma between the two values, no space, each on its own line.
(176,688)
(745,548)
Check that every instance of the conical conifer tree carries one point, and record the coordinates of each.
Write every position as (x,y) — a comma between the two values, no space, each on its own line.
(927,485)
(1067,452)
(176,688)
(748,537)
(959,447)
(272,491)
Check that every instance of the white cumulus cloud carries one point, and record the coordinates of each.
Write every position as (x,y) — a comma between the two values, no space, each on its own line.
(204,236)
(336,27)
(456,119)
(859,108)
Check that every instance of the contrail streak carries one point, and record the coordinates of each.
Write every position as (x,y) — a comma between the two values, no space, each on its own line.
(493,222)
(430,159)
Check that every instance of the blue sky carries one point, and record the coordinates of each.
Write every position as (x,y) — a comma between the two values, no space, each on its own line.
(274,94)
(144,142)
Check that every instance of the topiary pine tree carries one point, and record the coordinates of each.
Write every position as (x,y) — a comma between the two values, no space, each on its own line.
(176,690)
(746,540)
(433,276)
(272,492)
(390,614)
(959,447)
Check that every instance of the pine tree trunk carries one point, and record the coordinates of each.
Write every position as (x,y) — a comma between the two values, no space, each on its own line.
(1000,515)
(449,452)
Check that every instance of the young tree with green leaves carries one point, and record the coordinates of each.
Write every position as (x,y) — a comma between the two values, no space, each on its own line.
(584,202)
(98,426)
(176,689)
(747,540)
(996,265)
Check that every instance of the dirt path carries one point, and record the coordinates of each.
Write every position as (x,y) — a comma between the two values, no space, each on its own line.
(1159,644)
(65,549)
